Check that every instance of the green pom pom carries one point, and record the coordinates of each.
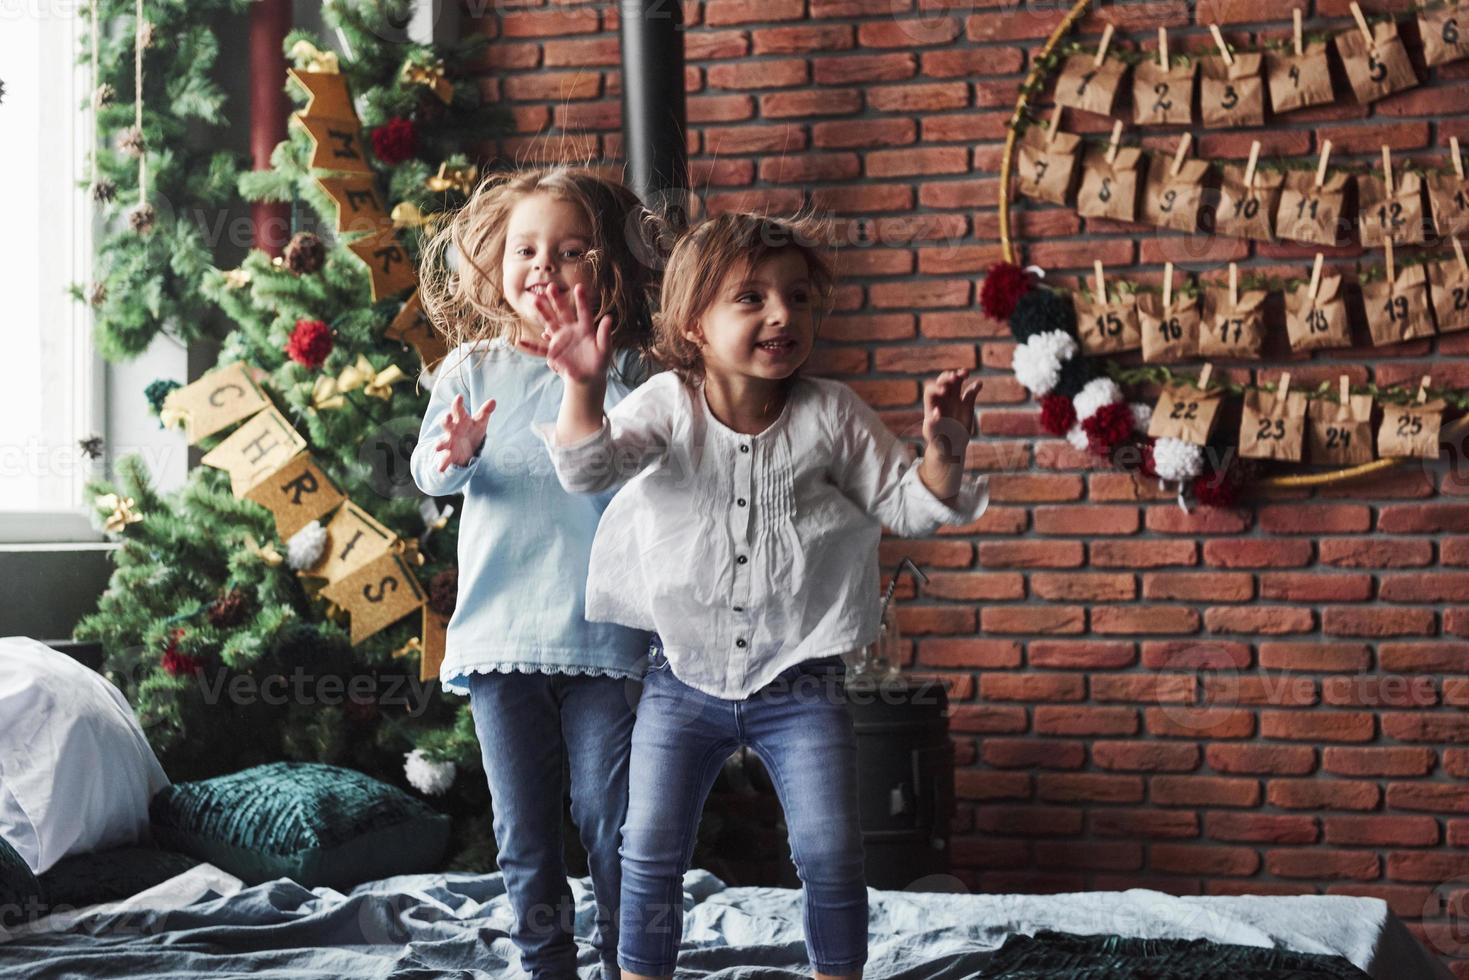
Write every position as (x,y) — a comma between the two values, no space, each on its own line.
(157,392)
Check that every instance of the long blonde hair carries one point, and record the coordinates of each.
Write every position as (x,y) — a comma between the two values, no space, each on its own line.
(460,280)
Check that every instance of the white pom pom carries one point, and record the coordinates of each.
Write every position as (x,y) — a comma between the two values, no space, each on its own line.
(1076,435)
(1142,417)
(1057,343)
(428,777)
(1035,368)
(305,547)
(1174,459)
(1093,395)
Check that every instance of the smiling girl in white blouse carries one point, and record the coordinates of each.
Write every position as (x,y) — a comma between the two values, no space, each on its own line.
(746,537)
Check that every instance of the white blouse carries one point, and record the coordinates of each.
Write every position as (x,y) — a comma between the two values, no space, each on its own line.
(748,553)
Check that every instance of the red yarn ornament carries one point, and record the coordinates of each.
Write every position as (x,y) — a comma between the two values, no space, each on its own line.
(178,663)
(1058,414)
(395,141)
(1002,288)
(1217,488)
(1108,427)
(310,343)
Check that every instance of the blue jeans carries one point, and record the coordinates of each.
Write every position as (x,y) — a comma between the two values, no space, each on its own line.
(523,722)
(801,728)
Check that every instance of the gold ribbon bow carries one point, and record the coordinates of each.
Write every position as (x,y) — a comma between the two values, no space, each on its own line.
(414,645)
(460,179)
(237,278)
(430,76)
(325,394)
(328,392)
(316,59)
(265,552)
(122,512)
(173,418)
(407,215)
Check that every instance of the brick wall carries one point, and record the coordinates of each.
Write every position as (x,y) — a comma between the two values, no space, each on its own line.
(1263,700)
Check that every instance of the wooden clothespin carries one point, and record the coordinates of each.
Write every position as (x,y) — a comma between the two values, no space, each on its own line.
(1455,157)
(1101,281)
(1295,16)
(1167,284)
(1254,160)
(1321,167)
(1362,24)
(1205,375)
(1223,48)
(1387,168)
(1233,285)
(1346,390)
(1423,389)
(1459,253)
(1055,122)
(1163,48)
(1315,277)
(1180,153)
(1102,48)
(1112,143)
(1392,272)
(1282,390)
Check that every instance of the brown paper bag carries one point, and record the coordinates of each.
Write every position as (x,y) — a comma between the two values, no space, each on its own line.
(1448,194)
(1047,166)
(1445,33)
(1341,432)
(1172,201)
(1090,87)
(1398,310)
(1272,427)
(1448,284)
(1232,95)
(1410,430)
(1398,215)
(1232,331)
(1318,324)
(1247,212)
(1296,82)
(1109,190)
(1170,334)
(1109,326)
(1185,412)
(1313,214)
(1379,69)
(1163,96)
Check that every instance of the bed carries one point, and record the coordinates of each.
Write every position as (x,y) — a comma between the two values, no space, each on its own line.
(205,922)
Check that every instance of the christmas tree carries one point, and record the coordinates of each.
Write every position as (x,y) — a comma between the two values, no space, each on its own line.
(230,649)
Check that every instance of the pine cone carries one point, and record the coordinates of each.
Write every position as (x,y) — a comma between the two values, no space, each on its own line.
(142,218)
(97,295)
(305,253)
(103,95)
(103,190)
(227,610)
(443,591)
(145,35)
(131,142)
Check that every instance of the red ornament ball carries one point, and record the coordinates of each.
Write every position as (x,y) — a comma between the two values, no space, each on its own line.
(1058,414)
(1217,488)
(395,141)
(1108,427)
(1146,466)
(1003,286)
(178,663)
(310,343)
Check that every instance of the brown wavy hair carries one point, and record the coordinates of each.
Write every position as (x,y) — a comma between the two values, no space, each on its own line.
(705,254)
(460,279)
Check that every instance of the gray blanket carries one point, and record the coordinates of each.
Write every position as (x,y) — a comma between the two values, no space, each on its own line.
(205,924)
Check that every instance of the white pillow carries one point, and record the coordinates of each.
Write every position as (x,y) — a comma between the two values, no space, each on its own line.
(76,773)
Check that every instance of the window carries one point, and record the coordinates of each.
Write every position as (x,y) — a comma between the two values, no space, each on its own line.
(50,395)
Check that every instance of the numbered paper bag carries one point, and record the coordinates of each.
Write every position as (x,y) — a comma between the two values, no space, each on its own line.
(1232,330)
(1272,427)
(1398,310)
(1246,212)
(1341,432)
(1397,215)
(1048,165)
(1173,200)
(1313,214)
(1185,412)
(1109,326)
(1378,69)
(1315,324)
(1448,194)
(1171,333)
(1448,286)
(1232,95)
(1090,87)
(1295,80)
(1162,96)
(1109,189)
(1442,30)
(1411,430)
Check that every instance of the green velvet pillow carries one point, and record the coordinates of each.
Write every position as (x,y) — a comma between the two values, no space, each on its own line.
(21,896)
(315,824)
(110,876)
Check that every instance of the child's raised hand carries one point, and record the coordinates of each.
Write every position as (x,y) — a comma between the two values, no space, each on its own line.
(463,433)
(578,350)
(948,410)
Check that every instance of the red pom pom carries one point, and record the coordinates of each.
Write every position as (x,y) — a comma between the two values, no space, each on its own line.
(310,343)
(1217,489)
(1108,427)
(177,663)
(1058,415)
(1002,288)
(1146,466)
(395,141)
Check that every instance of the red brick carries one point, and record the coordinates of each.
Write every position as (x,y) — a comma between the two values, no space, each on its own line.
(935,619)
(1185,722)
(916,161)
(976,585)
(1440,587)
(1059,787)
(1168,519)
(757,74)
(719,13)
(1249,553)
(1438,656)
(1199,586)
(806,39)
(1083,586)
(1278,760)
(1375,552)
(1120,856)
(1431,866)
(1031,687)
(1315,518)
(1258,619)
(1315,587)
(1203,859)
(1083,720)
(1349,621)
(1149,824)
(1087,519)
(1027,753)
(1030,554)
(1322,794)
(863,68)
(1204,791)
(1433,797)
(1420,726)
(1317,726)
(1279,655)
(1381,831)
(976,653)
(1028,821)
(980,784)
(1145,619)
(1423,518)
(1143,554)
(1386,761)
(1081,654)
(1145,756)
(1147,688)
(549,23)
(908,33)
(1320,863)
(1268,828)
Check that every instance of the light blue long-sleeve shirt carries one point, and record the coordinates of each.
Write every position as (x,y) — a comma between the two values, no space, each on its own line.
(524,542)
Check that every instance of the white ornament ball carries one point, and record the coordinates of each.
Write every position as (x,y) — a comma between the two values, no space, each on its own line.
(1076,435)
(1057,343)
(1036,369)
(1142,417)
(428,777)
(304,549)
(1093,395)
(1176,460)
